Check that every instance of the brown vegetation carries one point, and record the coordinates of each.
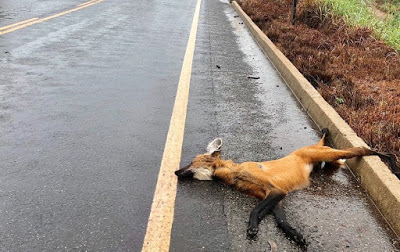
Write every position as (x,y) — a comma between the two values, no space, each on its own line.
(356,73)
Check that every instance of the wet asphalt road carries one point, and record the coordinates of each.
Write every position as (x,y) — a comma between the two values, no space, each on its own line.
(86,101)
(85,104)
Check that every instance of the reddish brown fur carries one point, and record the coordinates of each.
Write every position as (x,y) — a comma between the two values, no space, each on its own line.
(284,175)
(271,181)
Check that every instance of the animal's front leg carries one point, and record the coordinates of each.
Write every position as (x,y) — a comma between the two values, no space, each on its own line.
(292,233)
(261,210)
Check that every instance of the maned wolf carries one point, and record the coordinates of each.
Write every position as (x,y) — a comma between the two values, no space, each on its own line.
(271,181)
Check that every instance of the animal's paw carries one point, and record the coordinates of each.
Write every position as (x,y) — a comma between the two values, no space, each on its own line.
(302,244)
(252,231)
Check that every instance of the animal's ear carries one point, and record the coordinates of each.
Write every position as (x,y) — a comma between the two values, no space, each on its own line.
(214,145)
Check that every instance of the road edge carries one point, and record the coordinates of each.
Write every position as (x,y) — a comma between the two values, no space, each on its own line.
(382,186)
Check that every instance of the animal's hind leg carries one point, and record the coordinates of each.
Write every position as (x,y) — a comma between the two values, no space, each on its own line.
(325,133)
(322,142)
(327,154)
(261,210)
(391,159)
(289,231)
(353,152)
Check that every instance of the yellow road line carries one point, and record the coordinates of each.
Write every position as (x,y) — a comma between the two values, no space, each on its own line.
(86,3)
(24,24)
(19,23)
(158,233)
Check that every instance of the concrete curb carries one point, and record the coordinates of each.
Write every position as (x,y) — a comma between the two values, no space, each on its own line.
(382,186)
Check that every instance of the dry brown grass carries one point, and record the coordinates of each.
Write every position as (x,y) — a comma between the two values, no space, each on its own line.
(357,74)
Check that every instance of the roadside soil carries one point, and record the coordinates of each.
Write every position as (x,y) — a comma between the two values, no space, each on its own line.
(356,73)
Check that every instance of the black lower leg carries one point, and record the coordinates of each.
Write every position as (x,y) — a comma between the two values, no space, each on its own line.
(391,159)
(261,210)
(325,133)
(289,231)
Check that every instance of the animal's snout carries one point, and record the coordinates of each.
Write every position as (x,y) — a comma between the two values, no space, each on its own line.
(184,172)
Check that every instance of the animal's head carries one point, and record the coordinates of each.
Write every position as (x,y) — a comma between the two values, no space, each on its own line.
(203,166)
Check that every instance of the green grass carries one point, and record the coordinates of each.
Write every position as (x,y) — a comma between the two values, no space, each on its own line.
(360,13)
(389,6)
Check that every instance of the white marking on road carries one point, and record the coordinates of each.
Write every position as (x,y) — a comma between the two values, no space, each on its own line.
(158,233)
